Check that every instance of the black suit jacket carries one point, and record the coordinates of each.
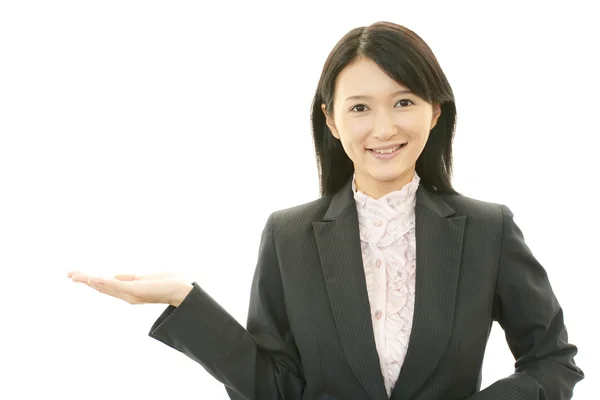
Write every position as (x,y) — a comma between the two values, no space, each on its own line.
(309,333)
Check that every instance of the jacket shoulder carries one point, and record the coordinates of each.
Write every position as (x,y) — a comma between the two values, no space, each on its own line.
(474,208)
(302,214)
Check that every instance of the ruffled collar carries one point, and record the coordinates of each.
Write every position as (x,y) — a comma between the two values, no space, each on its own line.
(395,200)
(384,221)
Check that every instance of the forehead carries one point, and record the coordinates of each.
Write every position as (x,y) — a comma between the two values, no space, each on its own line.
(365,78)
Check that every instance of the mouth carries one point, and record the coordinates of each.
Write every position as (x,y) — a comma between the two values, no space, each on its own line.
(387,152)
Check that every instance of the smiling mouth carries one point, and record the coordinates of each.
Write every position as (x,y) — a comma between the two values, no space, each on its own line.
(388,151)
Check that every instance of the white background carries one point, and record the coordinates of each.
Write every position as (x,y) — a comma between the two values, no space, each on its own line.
(142,136)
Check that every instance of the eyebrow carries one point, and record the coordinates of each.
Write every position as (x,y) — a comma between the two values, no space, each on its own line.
(359,97)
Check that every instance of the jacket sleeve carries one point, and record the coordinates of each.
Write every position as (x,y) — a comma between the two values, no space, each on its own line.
(528,311)
(260,362)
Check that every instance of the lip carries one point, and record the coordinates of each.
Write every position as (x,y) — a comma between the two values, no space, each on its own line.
(386,156)
(391,146)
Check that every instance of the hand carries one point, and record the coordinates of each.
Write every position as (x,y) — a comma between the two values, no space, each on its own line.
(161,287)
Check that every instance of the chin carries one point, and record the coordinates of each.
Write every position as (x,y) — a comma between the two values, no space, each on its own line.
(387,177)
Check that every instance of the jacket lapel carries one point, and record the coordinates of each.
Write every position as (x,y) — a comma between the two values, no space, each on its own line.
(439,240)
(338,243)
(439,237)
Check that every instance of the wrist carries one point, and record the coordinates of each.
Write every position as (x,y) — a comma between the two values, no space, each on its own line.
(180,294)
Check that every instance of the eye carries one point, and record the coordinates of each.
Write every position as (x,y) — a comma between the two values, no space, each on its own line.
(404,102)
(359,108)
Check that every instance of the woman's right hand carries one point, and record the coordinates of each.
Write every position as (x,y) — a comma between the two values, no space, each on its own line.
(162,287)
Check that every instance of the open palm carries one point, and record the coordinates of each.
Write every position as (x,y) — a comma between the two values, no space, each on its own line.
(162,287)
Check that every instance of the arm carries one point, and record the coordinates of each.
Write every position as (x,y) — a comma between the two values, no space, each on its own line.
(532,319)
(261,362)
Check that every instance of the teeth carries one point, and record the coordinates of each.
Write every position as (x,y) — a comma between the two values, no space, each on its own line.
(388,151)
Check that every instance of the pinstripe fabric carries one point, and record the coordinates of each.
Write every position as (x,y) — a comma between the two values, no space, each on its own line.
(309,333)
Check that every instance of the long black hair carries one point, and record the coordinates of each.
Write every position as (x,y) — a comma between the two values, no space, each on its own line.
(407,59)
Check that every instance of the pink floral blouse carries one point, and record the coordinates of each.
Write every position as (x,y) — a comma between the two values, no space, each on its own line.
(387,235)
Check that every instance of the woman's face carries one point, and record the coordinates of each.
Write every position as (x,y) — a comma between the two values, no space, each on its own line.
(382,126)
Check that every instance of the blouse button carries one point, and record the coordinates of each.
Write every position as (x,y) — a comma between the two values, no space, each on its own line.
(377,222)
(378,314)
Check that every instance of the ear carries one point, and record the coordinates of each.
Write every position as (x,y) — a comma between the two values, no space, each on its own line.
(330,123)
(437,111)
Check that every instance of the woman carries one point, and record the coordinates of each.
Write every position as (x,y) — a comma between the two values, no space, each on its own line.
(386,286)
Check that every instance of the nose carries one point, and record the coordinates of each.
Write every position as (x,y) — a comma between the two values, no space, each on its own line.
(384,127)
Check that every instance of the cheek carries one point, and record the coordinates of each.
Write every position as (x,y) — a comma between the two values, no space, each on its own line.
(357,131)
(415,126)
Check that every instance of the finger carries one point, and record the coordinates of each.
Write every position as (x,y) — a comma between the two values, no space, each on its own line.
(127,277)
(80,277)
(112,287)
(102,288)
(108,284)
(124,290)
(71,273)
